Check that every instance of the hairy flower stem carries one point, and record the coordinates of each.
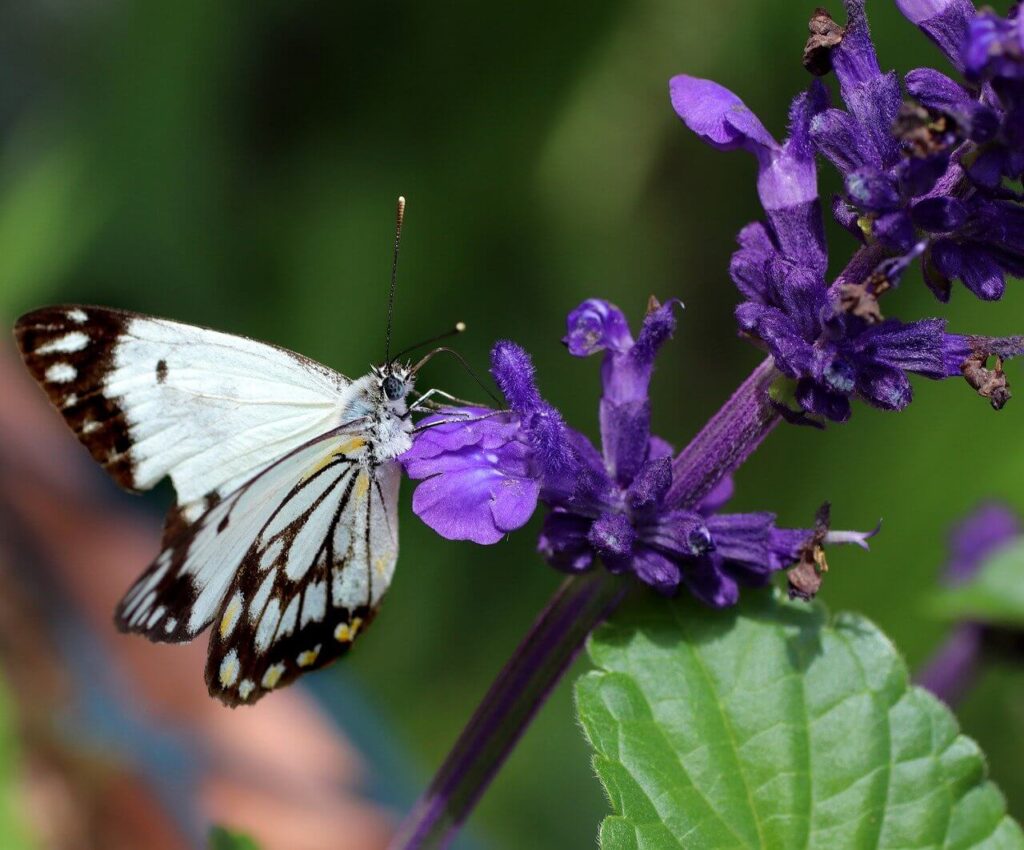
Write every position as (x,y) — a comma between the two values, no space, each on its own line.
(728,439)
(581,603)
(554,640)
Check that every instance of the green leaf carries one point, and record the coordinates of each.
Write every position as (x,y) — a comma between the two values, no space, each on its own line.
(994,594)
(224,839)
(774,725)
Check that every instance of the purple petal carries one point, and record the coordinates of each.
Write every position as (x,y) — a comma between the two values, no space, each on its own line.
(814,398)
(771,325)
(940,214)
(913,347)
(476,495)
(612,536)
(971,264)
(884,387)
(718,497)
(596,325)
(944,21)
(937,91)
(650,485)
(680,533)
(563,542)
(709,583)
(747,267)
(840,137)
(656,570)
(872,189)
(718,116)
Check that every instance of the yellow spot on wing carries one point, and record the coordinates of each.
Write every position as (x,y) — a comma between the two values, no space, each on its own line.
(308,657)
(338,451)
(379,565)
(273,675)
(229,670)
(362,485)
(346,632)
(227,622)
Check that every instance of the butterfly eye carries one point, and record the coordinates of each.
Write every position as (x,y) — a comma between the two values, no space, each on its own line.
(394,389)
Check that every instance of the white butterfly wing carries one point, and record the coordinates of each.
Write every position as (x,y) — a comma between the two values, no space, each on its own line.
(151,398)
(312,579)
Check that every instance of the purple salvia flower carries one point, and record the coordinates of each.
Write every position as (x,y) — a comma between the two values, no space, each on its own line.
(926,177)
(832,340)
(954,666)
(485,472)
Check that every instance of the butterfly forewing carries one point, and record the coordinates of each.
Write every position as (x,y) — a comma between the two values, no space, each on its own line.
(151,398)
(312,580)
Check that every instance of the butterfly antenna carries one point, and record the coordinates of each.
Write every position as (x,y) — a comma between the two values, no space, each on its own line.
(399,217)
(469,369)
(459,328)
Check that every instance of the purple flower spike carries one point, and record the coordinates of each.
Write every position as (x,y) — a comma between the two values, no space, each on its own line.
(485,471)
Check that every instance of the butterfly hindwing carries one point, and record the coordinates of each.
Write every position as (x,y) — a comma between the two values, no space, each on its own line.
(180,593)
(152,398)
(311,581)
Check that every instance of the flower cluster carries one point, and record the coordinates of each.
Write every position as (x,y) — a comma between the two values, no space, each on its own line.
(485,471)
(910,192)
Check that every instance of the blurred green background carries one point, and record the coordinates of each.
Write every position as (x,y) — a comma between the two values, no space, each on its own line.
(236,165)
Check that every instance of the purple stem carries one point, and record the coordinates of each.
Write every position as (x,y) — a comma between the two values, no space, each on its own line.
(728,439)
(581,603)
(522,687)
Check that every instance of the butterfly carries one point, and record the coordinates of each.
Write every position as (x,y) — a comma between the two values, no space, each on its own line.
(284,535)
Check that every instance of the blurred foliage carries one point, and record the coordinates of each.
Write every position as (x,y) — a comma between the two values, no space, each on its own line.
(225,839)
(994,594)
(13,830)
(237,165)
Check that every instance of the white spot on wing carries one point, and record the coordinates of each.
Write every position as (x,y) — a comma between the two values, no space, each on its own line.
(268,625)
(154,618)
(270,554)
(289,617)
(262,595)
(315,605)
(170,624)
(74,341)
(61,373)
(77,316)
(246,687)
(90,425)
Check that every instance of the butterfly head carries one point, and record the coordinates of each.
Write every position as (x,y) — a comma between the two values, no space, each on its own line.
(394,381)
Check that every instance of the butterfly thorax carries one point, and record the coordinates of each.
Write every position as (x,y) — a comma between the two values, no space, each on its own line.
(379,399)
